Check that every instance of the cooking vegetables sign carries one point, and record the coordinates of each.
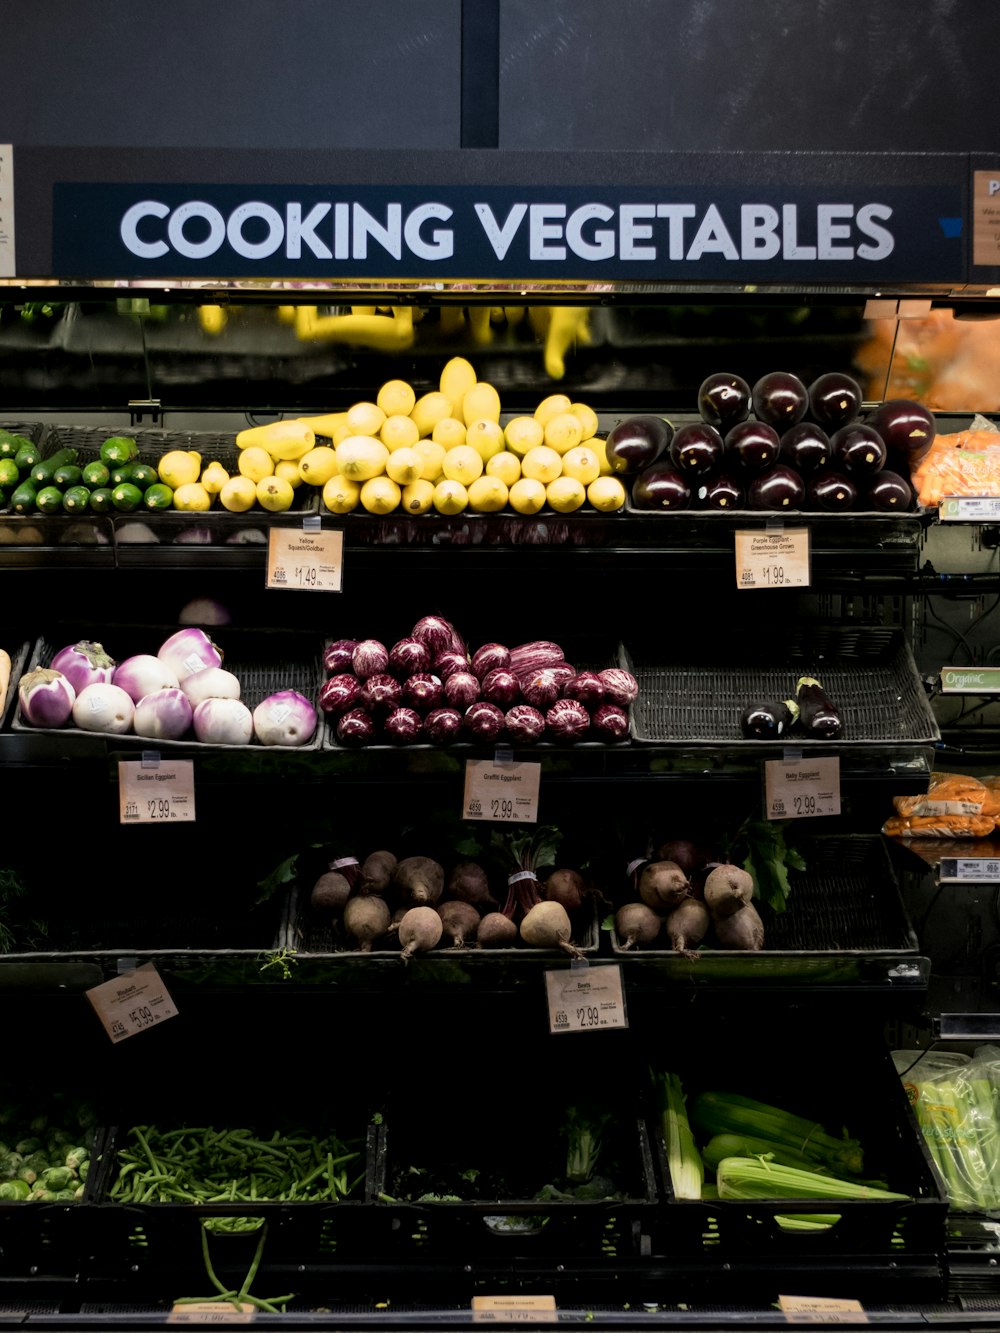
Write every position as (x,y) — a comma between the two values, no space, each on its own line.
(569,232)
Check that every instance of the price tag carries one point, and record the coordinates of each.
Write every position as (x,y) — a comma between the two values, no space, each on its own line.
(7,269)
(210,1312)
(801,788)
(503,793)
(161,793)
(970,680)
(132,1002)
(969,509)
(966,869)
(778,559)
(821,1310)
(583,999)
(516,1309)
(307,561)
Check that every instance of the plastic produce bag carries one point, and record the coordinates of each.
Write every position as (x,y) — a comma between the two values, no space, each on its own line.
(955,1100)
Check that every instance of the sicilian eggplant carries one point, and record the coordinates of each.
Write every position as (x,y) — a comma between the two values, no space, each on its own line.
(768,721)
(818,715)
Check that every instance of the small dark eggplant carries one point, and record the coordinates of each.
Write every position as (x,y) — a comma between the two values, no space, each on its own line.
(858,449)
(636,442)
(889,491)
(805,446)
(830,490)
(696,449)
(768,721)
(721,492)
(818,715)
(724,399)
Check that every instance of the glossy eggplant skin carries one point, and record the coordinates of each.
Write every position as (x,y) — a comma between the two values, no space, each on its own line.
(768,721)
(818,714)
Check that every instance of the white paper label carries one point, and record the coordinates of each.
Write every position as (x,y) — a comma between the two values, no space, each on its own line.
(502,793)
(778,559)
(821,1310)
(305,561)
(162,794)
(927,809)
(974,869)
(514,1309)
(132,1002)
(801,789)
(210,1312)
(971,508)
(585,999)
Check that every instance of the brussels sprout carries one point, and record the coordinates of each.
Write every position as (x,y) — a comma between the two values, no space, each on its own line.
(26,1146)
(58,1178)
(10,1164)
(14,1189)
(76,1157)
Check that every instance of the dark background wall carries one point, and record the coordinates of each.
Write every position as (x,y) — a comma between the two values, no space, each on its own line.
(560,74)
(570,74)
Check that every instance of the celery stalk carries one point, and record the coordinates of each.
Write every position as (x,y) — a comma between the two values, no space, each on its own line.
(687,1172)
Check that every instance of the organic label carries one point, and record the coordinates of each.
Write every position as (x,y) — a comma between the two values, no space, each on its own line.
(159,793)
(821,1310)
(802,788)
(515,1309)
(970,508)
(971,869)
(7,267)
(583,999)
(132,1003)
(970,680)
(778,559)
(210,1312)
(504,793)
(306,561)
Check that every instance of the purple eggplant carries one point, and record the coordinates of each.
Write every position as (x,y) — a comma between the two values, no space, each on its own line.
(661,486)
(754,445)
(780,399)
(834,399)
(805,447)
(723,400)
(890,492)
(636,442)
(818,715)
(768,721)
(858,449)
(778,488)
(696,449)
(830,490)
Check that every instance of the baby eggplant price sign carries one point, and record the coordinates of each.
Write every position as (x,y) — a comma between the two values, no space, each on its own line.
(150,792)
(801,788)
(502,793)
(586,999)
(777,558)
(132,1003)
(305,561)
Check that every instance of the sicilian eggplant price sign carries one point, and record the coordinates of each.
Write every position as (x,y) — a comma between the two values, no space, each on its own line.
(586,999)
(132,1003)
(776,558)
(802,788)
(155,793)
(305,561)
(502,793)
(515,1309)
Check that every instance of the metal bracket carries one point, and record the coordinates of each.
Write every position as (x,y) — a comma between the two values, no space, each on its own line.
(967,1027)
(140,407)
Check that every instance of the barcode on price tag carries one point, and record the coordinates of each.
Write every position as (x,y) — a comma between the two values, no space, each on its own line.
(502,793)
(586,999)
(159,793)
(801,789)
(772,559)
(305,561)
(131,1003)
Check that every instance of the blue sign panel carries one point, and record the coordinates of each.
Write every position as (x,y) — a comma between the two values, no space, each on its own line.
(862,234)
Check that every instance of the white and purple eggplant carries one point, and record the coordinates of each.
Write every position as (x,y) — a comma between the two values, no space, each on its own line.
(164,715)
(84,663)
(223,722)
(188,651)
(46,697)
(212,683)
(103,707)
(144,674)
(285,718)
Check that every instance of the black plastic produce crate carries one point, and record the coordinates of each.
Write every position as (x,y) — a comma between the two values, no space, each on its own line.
(845,920)
(505,1141)
(160,1233)
(697,698)
(842,1079)
(214,446)
(263,661)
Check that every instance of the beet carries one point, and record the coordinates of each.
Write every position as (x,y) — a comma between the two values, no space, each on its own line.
(566,887)
(683,853)
(409,656)
(330,892)
(740,930)
(496,931)
(663,885)
(419,879)
(419,931)
(460,921)
(727,889)
(635,923)
(339,693)
(469,882)
(547,926)
(365,919)
(443,725)
(525,725)
(337,656)
(376,872)
(687,925)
